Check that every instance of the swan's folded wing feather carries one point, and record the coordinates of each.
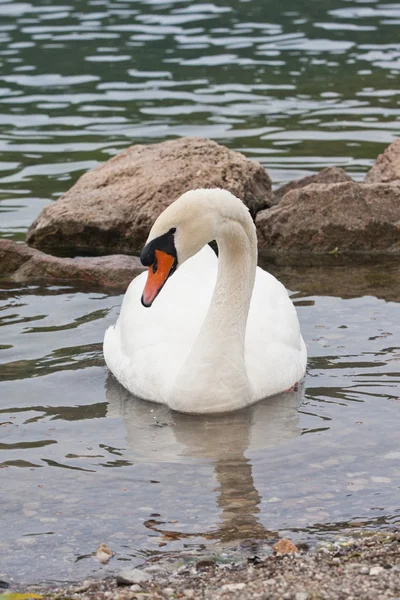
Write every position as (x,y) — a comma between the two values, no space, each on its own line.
(275,352)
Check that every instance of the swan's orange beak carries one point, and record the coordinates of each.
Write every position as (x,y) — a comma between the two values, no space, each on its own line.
(158,274)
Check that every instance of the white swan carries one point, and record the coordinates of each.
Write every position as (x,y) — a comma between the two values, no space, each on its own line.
(223,333)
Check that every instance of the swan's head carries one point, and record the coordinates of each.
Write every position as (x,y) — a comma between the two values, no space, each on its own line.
(181,231)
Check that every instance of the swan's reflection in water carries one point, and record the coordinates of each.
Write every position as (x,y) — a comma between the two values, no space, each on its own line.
(157,434)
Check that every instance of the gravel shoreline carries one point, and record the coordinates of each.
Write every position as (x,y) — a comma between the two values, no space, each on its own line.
(366,567)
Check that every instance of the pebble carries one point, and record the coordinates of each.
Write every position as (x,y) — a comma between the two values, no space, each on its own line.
(168,591)
(376,571)
(381,479)
(233,587)
(189,593)
(301,596)
(136,587)
(82,588)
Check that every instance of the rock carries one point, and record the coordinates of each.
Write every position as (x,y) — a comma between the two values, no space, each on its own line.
(188,593)
(111,209)
(347,218)
(233,587)
(387,165)
(130,576)
(168,591)
(285,546)
(22,264)
(328,175)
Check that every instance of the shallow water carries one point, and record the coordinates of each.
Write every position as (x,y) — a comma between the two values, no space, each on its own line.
(82,463)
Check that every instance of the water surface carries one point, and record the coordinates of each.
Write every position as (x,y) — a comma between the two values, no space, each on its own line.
(83,462)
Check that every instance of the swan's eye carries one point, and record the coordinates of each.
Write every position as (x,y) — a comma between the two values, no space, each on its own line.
(154,266)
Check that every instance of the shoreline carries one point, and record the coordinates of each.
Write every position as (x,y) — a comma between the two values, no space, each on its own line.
(365,567)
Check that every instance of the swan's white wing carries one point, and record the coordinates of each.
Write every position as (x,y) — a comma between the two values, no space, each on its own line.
(275,352)
(147,346)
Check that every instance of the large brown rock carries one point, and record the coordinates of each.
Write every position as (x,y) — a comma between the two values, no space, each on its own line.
(328,175)
(387,165)
(22,264)
(336,217)
(111,209)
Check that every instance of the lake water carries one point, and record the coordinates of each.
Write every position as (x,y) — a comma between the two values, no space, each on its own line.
(81,462)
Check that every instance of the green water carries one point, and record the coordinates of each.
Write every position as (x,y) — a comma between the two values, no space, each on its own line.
(296,85)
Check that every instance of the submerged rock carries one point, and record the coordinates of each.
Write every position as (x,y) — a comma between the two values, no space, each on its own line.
(112,208)
(387,165)
(328,175)
(333,218)
(22,264)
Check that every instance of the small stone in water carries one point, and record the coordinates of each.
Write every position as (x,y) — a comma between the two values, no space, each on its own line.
(103,554)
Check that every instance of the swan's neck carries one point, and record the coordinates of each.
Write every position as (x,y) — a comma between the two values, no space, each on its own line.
(226,319)
(214,377)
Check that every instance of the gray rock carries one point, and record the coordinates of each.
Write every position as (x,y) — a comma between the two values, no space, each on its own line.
(111,209)
(387,165)
(328,175)
(131,576)
(346,218)
(22,264)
